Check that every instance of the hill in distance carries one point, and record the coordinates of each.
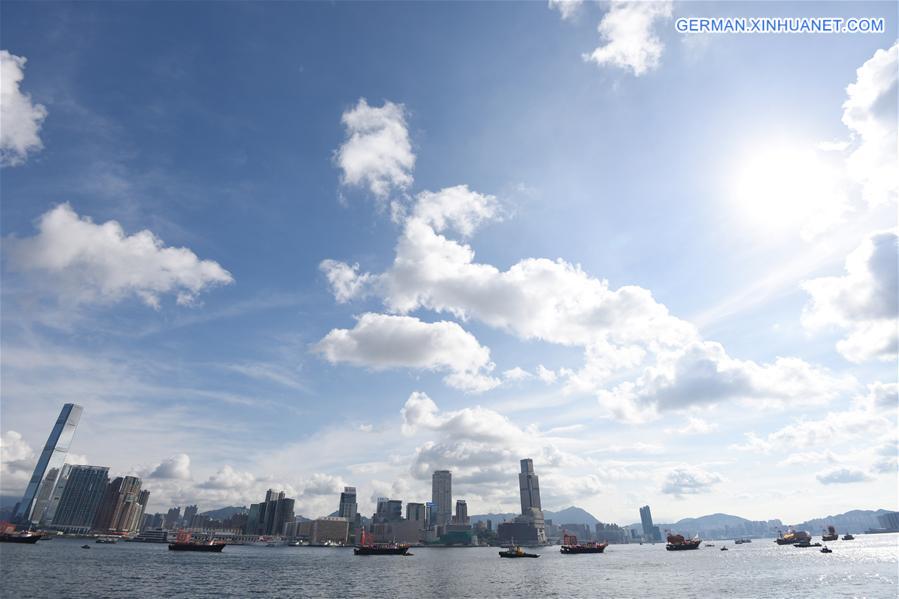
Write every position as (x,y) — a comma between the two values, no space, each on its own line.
(223,513)
(569,515)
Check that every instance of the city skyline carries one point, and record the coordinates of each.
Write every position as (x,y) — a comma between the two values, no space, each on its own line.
(360,268)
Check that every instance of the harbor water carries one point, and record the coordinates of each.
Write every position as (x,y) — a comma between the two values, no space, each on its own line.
(865,567)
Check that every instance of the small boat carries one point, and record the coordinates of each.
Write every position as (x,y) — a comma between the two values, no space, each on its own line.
(183,542)
(366,547)
(679,543)
(106,540)
(825,549)
(709,545)
(830,534)
(294,544)
(570,546)
(848,537)
(741,541)
(724,549)
(85,546)
(805,544)
(516,551)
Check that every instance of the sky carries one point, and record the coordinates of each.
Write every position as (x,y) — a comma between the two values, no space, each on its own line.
(307,245)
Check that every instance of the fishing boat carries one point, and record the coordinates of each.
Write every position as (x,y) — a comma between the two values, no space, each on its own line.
(183,542)
(848,537)
(679,543)
(366,547)
(570,546)
(830,534)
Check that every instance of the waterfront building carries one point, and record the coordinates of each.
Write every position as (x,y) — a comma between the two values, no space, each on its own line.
(271,516)
(122,506)
(651,533)
(417,512)
(531,508)
(52,457)
(442,497)
(53,504)
(610,533)
(388,510)
(333,529)
(189,513)
(172,518)
(81,496)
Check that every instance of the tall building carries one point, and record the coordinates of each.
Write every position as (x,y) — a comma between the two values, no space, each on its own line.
(651,533)
(52,457)
(271,516)
(172,518)
(417,512)
(442,497)
(388,510)
(122,506)
(531,509)
(461,513)
(55,497)
(348,506)
(84,489)
(189,513)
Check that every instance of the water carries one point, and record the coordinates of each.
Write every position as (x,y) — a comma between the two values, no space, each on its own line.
(865,567)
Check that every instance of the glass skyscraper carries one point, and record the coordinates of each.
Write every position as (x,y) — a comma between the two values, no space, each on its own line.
(52,459)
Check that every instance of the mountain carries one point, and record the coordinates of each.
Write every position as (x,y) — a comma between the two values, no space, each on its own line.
(223,513)
(569,515)
(853,521)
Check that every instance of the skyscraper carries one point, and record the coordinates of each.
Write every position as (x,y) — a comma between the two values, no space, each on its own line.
(442,496)
(461,513)
(52,458)
(270,516)
(80,499)
(122,506)
(348,506)
(531,508)
(189,513)
(650,532)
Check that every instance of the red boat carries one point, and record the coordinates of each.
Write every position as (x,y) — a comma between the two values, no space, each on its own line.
(366,547)
(570,546)
(8,534)
(184,543)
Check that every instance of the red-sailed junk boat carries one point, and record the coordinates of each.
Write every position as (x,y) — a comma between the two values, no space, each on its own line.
(366,547)
(183,542)
(679,543)
(8,534)
(570,546)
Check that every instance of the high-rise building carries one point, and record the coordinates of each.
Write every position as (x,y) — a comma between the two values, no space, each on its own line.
(172,518)
(531,508)
(52,458)
(348,506)
(189,513)
(388,510)
(461,513)
(122,506)
(271,516)
(83,490)
(442,497)
(417,512)
(651,533)
(56,496)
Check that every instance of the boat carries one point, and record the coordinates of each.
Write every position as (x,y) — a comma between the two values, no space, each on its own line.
(20,537)
(825,549)
(805,544)
(679,543)
(183,542)
(792,536)
(830,534)
(106,540)
(570,546)
(366,547)
(85,546)
(516,551)
(741,541)
(294,544)
(724,549)
(709,545)
(848,537)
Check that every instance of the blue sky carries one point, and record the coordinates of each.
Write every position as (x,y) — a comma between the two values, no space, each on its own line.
(733,360)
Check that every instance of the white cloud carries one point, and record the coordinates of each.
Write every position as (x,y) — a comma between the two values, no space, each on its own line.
(809,457)
(345,281)
(455,208)
(517,374)
(694,426)
(689,480)
(16,462)
(21,118)
(546,375)
(568,9)
(842,476)
(176,467)
(870,114)
(630,41)
(382,341)
(863,301)
(86,262)
(377,153)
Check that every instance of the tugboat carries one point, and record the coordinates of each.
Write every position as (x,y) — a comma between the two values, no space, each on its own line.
(848,537)
(830,534)
(570,546)
(825,549)
(792,537)
(366,547)
(679,543)
(8,534)
(516,551)
(183,542)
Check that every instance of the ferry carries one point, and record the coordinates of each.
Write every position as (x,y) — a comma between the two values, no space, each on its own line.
(570,546)
(183,542)
(366,547)
(8,534)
